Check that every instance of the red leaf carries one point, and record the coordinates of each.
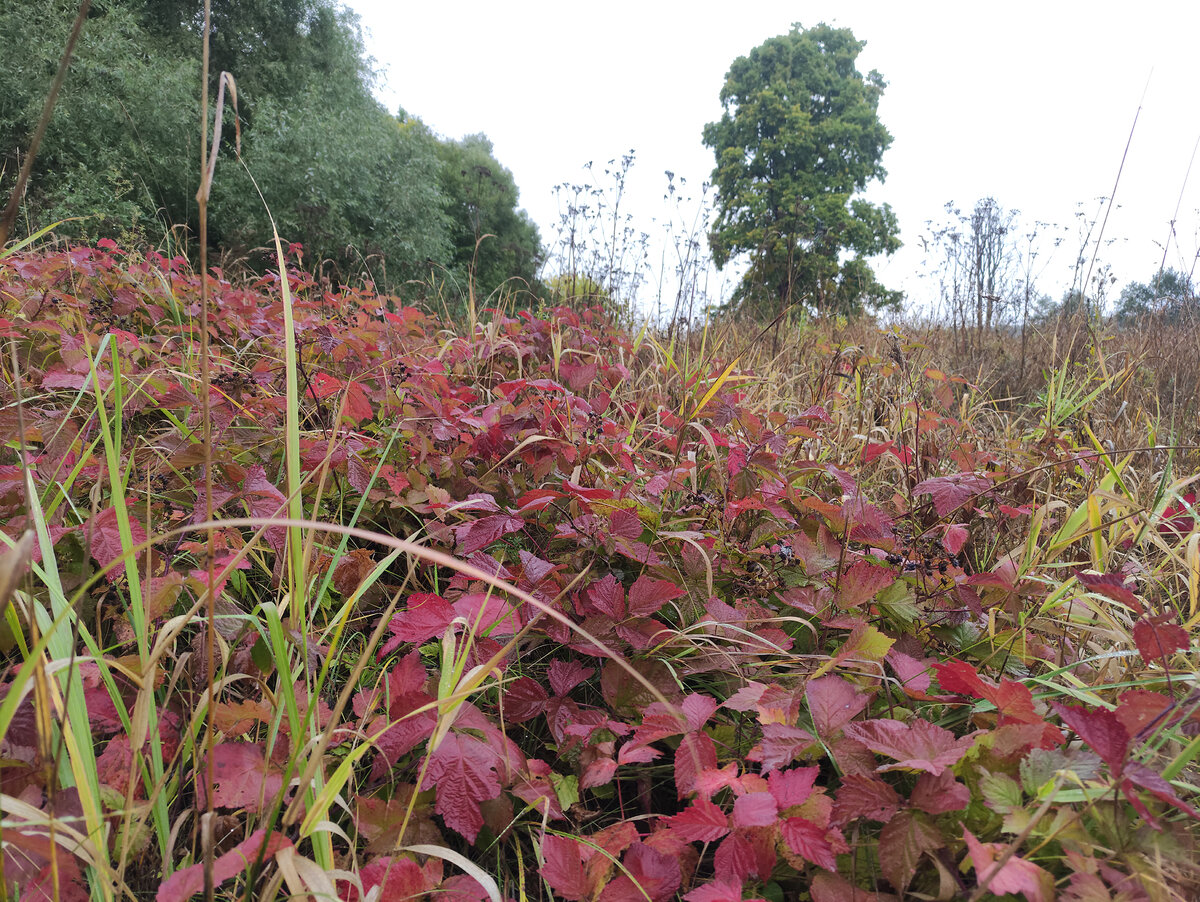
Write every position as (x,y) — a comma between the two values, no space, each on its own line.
(566,675)
(358,405)
(323,385)
(563,868)
(955,538)
(488,613)
(1100,728)
(937,795)
(865,796)
(961,677)
(648,872)
(782,745)
(1110,585)
(951,492)
(828,887)
(608,597)
(1138,774)
(808,841)
(398,878)
(755,809)
(1016,876)
(913,673)
(242,778)
(524,699)
(861,582)
(1157,639)
(1141,708)
(696,753)
(425,617)
(722,889)
(833,702)
(1014,702)
(702,821)
(647,595)
(904,839)
(464,771)
(478,534)
(105,538)
(659,722)
(746,853)
(792,787)
(625,523)
(1177,520)
(920,745)
(185,883)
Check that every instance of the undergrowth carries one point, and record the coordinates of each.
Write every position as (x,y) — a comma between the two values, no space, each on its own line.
(563,611)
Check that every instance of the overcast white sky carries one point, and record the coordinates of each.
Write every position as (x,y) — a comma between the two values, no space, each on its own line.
(1031,103)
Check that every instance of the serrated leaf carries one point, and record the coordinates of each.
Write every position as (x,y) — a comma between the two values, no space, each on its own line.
(696,753)
(833,702)
(189,881)
(647,596)
(919,745)
(464,771)
(563,868)
(1016,875)
(808,841)
(105,538)
(904,839)
(607,596)
(647,873)
(702,821)
(865,796)
(242,778)
(861,582)
(566,675)
(951,492)
(1158,638)
(783,744)
(939,794)
(1000,792)
(755,809)
(1100,728)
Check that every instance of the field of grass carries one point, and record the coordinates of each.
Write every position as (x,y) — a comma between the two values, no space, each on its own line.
(540,608)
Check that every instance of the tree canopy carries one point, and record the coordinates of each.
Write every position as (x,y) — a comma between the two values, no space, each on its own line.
(366,192)
(799,138)
(493,241)
(1169,296)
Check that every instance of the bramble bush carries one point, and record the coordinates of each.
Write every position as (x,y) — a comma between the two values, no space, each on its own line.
(579,615)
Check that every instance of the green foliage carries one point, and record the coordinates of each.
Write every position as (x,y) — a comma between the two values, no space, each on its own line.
(1169,295)
(482,201)
(800,136)
(364,192)
(121,144)
(354,185)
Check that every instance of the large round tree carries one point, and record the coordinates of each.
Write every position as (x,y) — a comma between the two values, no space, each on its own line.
(799,138)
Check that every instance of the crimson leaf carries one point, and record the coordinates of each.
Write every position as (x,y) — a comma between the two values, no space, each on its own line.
(186,882)
(1100,728)
(464,771)
(920,745)
(951,492)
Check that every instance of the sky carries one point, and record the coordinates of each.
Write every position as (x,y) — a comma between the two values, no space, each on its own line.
(1030,103)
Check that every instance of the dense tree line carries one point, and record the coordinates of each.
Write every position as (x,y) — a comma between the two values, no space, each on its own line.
(365,191)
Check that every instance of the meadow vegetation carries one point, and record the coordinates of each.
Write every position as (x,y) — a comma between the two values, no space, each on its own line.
(485,588)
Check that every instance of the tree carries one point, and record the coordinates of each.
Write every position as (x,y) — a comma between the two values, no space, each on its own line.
(1169,296)
(482,201)
(341,175)
(799,138)
(980,284)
